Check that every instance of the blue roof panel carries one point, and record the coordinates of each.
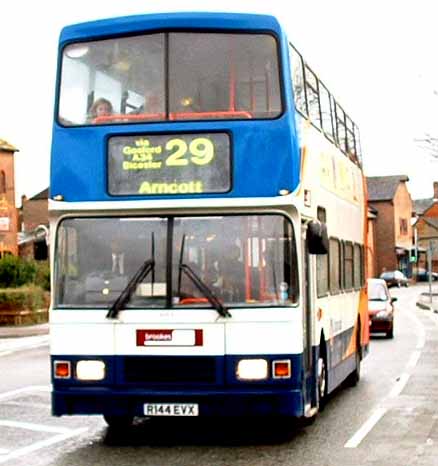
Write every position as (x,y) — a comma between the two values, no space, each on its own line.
(141,23)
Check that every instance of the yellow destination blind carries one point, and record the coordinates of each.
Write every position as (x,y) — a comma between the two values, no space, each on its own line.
(169,164)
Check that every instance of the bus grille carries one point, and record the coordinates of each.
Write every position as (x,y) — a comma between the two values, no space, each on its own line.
(173,369)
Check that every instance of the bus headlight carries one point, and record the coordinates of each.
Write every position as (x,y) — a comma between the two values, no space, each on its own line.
(90,370)
(252,369)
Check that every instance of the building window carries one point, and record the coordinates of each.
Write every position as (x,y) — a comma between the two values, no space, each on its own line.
(40,251)
(2,182)
(403,226)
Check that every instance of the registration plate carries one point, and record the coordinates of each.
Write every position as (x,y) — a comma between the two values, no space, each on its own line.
(171,409)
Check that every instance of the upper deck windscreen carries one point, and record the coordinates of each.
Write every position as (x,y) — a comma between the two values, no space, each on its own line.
(170,76)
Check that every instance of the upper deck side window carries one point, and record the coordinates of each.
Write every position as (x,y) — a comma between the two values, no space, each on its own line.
(314,101)
(298,80)
(170,76)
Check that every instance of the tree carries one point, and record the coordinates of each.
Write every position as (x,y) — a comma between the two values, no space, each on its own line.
(429,143)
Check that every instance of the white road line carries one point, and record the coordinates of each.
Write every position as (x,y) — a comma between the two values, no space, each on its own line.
(433,317)
(10,345)
(366,428)
(379,412)
(413,360)
(62,433)
(27,404)
(20,391)
(42,444)
(421,341)
(35,427)
(399,385)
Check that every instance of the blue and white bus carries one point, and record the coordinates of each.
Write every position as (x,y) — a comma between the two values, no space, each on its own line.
(207,215)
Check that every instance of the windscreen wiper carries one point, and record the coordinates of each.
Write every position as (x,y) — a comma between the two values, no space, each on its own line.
(205,290)
(147,266)
(197,281)
(126,293)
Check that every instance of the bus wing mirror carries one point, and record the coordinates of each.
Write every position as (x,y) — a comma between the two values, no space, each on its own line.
(317,238)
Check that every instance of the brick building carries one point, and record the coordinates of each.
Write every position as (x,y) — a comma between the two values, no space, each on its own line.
(426,228)
(371,258)
(390,197)
(34,226)
(8,211)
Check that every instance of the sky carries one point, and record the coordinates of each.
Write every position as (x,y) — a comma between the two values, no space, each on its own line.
(377,57)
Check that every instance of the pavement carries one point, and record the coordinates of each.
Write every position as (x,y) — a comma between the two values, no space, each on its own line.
(427,301)
(24,330)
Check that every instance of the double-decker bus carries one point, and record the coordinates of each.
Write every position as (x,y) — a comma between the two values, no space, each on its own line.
(207,213)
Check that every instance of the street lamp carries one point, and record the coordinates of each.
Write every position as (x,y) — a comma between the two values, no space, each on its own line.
(433,243)
(42,230)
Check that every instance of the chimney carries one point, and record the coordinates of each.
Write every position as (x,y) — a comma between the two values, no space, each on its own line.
(435,190)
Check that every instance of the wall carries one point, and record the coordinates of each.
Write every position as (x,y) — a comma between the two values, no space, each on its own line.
(403,210)
(432,211)
(372,270)
(35,212)
(385,238)
(8,211)
(425,233)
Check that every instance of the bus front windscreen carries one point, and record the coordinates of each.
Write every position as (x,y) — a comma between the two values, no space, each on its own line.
(242,261)
(170,76)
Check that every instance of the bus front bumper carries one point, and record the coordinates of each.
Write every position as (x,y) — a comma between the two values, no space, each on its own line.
(88,401)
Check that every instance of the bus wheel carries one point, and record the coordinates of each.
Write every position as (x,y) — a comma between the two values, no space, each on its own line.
(354,377)
(118,422)
(322,380)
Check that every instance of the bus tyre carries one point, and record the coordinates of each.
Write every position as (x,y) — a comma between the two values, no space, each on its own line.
(354,377)
(118,422)
(322,380)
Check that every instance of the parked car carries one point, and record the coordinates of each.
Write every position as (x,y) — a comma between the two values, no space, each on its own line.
(395,278)
(380,307)
(423,275)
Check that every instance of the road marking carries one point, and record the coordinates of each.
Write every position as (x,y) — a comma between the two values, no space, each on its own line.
(379,412)
(11,345)
(35,427)
(433,317)
(413,360)
(42,444)
(61,433)
(27,404)
(421,341)
(19,391)
(399,385)
(366,428)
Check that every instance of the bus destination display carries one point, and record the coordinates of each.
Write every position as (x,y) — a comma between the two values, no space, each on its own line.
(169,164)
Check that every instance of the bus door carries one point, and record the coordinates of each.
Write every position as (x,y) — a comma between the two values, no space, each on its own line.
(307,297)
